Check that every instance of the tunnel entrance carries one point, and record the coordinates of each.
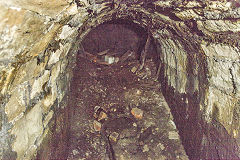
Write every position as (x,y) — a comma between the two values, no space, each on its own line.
(124,107)
(121,94)
(118,110)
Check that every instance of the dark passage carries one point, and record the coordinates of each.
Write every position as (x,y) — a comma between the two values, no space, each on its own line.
(118,110)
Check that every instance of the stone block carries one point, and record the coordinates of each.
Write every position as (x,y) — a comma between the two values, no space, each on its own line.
(66,32)
(38,83)
(55,56)
(28,71)
(18,102)
(27,130)
(13,108)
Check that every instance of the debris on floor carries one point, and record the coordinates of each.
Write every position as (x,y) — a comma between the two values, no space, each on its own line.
(120,112)
(137,113)
(106,57)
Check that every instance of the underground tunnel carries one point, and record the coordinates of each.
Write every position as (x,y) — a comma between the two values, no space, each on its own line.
(119,79)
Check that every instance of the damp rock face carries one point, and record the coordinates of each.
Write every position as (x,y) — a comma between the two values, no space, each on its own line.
(197,43)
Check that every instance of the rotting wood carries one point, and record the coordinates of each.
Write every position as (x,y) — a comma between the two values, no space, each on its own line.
(144,52)
(127,55)
(103,52)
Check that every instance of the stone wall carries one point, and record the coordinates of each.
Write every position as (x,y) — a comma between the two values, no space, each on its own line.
(35,75)
(197,42)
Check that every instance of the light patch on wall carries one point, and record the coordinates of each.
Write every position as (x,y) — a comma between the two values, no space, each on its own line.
(27,130)
(15,8)
(66,31)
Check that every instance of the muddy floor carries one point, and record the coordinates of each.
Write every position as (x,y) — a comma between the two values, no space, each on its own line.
(120,113)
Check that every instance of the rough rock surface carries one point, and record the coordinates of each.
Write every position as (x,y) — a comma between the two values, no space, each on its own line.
(198,44)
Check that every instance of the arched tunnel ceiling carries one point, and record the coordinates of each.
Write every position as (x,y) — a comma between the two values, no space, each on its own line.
(184,9)
(37,42)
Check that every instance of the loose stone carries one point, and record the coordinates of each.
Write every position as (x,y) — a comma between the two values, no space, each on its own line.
(145,148)
(137,113)
(114,136)
(97,125)
(102,116)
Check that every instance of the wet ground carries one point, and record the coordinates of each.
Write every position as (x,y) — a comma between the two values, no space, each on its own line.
(120,113)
